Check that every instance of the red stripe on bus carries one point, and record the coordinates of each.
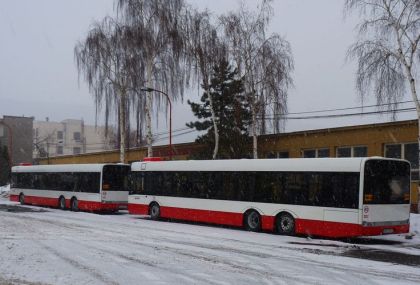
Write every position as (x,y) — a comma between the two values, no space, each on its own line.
(339,230)
(205,216)
(14,198)
(302,226)
(138,209)
(82,205)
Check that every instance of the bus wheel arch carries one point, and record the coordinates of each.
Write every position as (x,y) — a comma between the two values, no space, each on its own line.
(74,204)
(285,223)
(62,202)
(154,210)
(252,220)
(22,198)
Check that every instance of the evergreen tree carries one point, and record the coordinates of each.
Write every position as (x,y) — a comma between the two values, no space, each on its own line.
(4,166)
(232,114)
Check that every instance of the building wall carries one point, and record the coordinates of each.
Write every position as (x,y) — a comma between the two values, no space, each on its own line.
(21,137)
(374,136)
(180,151)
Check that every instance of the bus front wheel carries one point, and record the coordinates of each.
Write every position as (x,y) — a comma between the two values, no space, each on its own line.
(285,224)
(253,221)
(154,211)
(22,199)
(74,205)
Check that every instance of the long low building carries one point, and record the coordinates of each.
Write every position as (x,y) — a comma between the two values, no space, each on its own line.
(394,139)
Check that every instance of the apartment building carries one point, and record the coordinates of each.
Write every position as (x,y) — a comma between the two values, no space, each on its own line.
(68,137)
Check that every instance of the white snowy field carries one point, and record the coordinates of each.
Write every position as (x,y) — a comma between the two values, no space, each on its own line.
(49,246)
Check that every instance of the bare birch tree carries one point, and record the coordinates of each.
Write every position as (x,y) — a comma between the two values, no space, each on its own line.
(265,62)
(159,29)
(206,49)
(387,50)
(106,63)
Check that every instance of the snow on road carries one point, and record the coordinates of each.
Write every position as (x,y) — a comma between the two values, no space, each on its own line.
(48,246)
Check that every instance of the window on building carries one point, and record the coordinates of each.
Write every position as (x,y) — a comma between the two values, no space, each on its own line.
(309,153)
(76,150)
(278,154)
(360,151)
(59,149)
(76,136)
(312,153)
(60,135)
(352,151)
(323,152)
(408,151)
(283,154)
(344,152)
(1,131)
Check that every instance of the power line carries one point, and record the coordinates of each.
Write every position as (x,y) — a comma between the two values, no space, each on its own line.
(173,131)
(177,135)
(349,108)
(343,115)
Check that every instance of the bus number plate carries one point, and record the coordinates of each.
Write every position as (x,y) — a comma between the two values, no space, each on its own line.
(388,231)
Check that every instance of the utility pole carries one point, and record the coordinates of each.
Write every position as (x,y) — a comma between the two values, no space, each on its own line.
(148,89)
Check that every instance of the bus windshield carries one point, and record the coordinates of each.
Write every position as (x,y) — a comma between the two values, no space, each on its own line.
(386,182)
(115,177)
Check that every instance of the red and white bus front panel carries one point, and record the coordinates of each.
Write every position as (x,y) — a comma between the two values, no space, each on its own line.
(86,201)
(318,221)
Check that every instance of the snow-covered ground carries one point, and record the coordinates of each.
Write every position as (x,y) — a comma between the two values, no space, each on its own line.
(48,246)
(4,191)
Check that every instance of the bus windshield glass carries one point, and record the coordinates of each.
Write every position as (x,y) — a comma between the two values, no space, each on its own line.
(386,182)
(115,177)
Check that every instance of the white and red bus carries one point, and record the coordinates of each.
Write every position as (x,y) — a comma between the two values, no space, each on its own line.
(88,187)
(330,197)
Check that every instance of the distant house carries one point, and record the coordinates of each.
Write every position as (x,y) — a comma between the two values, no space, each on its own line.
(16,134)
(68,137)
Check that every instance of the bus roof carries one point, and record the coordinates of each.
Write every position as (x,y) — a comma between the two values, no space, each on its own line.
(293,164)
(63,168)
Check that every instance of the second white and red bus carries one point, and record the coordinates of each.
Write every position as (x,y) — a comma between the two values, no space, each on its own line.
(330,197)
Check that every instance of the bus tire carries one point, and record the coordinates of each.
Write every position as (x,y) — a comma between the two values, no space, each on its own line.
(285,224)
(74,204)
(252,221)
(154,211)
(62,203)
(22,199)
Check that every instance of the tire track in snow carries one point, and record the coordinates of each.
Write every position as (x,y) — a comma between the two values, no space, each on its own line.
(137,260)
(78,265)
(224,264)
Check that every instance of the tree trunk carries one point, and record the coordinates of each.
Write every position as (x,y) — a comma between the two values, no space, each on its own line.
(254,132)
(417,103)
(122,119)
(149,100)
(213,117)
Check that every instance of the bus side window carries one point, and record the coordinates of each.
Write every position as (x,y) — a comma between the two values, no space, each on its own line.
(136,182)
(14,180)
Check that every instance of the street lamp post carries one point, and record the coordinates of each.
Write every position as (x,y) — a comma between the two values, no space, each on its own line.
(148,89)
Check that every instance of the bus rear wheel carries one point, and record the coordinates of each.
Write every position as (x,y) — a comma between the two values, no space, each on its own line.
(62,203)
(154,211)
(285,224)
(252,221)
(74,205)
(22,199)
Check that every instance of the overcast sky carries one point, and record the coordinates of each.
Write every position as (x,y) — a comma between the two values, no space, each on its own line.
(38,76)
